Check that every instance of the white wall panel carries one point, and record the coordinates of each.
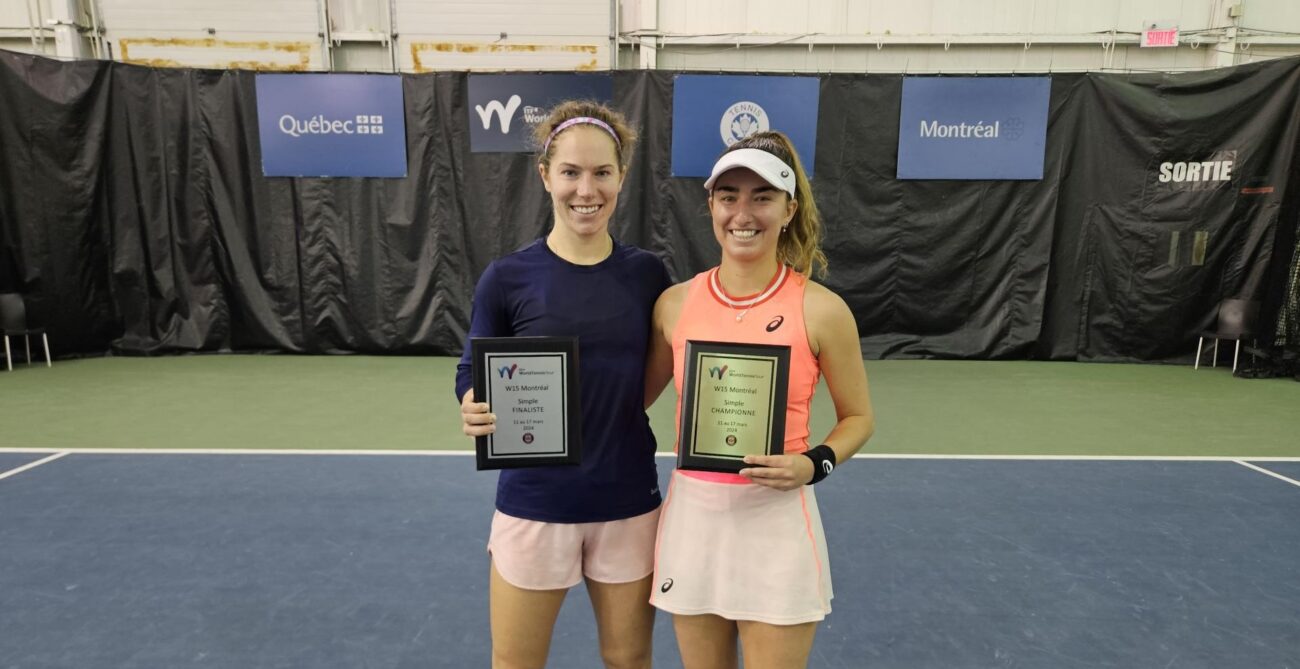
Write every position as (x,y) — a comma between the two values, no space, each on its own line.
(358,16)
(1271,15)
(571,18)
(15,13)
(909,17)
(428,53)
(280,52)
(256,34)
(21,22)
(957,59)
(964,35)
(503,35)
(980,35)
(237,16)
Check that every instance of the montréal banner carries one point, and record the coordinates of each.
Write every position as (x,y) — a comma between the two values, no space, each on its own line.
(973,127)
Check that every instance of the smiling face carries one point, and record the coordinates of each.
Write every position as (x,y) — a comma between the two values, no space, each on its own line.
(583,178)
(748,214)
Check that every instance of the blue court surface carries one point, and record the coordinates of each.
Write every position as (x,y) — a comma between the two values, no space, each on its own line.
(336,560)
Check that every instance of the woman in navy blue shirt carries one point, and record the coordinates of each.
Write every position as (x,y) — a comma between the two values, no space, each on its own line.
(557,526)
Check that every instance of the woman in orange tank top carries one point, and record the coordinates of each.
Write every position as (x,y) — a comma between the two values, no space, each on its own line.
(742,558)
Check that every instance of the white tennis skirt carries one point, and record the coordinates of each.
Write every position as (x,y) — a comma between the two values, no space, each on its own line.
(742,552)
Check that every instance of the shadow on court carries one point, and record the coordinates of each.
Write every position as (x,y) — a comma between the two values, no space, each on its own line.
(170,560)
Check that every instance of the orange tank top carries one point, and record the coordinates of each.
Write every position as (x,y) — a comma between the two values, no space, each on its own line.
(774,316)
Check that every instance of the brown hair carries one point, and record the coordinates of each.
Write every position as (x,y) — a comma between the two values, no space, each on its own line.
(800,245)
(575,108)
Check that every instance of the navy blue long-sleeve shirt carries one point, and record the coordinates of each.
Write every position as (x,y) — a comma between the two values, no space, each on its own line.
(608,307)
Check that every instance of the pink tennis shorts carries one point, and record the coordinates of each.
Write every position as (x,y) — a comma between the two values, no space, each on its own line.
(535,555)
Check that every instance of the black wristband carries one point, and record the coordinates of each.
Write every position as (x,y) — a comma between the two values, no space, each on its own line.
(823,459)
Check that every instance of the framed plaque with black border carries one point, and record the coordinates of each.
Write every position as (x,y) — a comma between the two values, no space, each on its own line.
(531,384)
(733,404)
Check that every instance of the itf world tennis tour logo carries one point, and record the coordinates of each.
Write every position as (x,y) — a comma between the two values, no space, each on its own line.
(742,120)
(505,114)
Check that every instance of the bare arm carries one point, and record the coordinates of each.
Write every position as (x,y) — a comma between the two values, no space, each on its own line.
(840,355)
(659,357)
(833,336)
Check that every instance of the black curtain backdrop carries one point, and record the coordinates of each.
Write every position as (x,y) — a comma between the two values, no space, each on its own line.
(134,215)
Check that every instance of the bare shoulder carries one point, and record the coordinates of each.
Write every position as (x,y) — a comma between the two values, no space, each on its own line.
(821,306)
(669,305)
(672,298)
(827,318)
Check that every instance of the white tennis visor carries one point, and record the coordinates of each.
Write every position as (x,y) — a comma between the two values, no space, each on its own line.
(772,169)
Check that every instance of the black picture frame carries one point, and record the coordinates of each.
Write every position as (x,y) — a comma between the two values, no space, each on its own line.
(538,424)
(692,451)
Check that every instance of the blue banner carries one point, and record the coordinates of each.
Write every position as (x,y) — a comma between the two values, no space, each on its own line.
(973,127)
(331,125)
(712,112)
(504,108)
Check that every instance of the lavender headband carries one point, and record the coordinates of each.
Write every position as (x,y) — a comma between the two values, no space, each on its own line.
(579,120)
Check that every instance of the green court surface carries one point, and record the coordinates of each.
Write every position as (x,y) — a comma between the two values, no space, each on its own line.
(407,403)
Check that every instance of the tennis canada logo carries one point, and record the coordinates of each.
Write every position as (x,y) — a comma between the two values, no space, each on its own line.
(718,371)
(508,372)
(528,437)
(731,440)
(742,120)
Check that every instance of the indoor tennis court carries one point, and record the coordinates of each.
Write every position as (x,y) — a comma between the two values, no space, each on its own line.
(290,511)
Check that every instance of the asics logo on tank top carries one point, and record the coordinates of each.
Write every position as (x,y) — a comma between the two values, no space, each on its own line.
(775,323)
(668,585)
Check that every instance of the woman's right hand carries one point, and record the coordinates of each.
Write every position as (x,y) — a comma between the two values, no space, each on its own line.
(476,419)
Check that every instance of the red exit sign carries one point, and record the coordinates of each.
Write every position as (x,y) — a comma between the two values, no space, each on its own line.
(1157,36)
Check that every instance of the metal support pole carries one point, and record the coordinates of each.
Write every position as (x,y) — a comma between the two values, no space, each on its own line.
(392,34)
(67,39)
(326,42)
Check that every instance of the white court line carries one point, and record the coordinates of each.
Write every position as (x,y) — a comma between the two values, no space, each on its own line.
(1265,471)
(231,451)
(1142,458)
(32,465)
(662,454)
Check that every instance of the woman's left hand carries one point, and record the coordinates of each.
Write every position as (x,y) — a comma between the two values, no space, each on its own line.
(783,472)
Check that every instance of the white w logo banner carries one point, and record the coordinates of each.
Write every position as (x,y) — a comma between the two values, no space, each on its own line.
(504,113)
(504,108)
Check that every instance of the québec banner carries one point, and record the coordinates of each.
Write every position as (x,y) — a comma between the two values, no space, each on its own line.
(712,112)
(504,108)
(331,125)
(973,127)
